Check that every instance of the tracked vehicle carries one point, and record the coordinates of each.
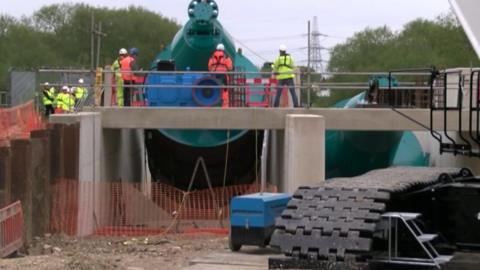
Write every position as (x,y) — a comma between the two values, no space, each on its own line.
(375,218)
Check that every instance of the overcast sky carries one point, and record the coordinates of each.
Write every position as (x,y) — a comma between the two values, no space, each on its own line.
(263,25)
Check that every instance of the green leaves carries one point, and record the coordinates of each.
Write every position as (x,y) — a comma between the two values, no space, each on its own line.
(59,36)
(421,43)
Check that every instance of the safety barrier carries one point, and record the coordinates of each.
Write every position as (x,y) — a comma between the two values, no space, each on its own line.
(19,121)
(11,229)
(262,88)
(114,208)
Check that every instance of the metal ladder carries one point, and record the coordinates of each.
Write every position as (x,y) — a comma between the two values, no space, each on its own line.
(474,110)
(438,102)
(432,257)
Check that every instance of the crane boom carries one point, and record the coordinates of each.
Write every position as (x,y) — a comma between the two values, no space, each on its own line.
(468,12)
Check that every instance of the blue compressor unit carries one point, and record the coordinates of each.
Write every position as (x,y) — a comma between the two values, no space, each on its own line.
(182,90)
(252,218)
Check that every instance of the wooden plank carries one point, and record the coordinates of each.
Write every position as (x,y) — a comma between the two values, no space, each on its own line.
(247,257)
(232,259)
(223,267)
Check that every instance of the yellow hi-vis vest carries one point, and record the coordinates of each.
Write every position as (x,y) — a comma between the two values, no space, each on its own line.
(284,67)
(48,96)
(80,92)
(61,102)
(70,102)
(65,102)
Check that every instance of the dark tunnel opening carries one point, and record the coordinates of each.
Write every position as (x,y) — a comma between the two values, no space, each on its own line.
(173,163)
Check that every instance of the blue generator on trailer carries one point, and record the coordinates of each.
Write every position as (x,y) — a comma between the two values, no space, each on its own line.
(252,218)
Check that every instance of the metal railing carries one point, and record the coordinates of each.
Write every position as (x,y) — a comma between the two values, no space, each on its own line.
(410,92)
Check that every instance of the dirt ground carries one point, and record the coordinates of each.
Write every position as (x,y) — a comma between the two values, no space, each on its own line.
(132,253)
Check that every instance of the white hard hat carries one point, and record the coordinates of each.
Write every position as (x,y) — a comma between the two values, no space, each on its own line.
(65,88)
(220,47)
(80,80)
(123,51)
(46,84)
(283,48)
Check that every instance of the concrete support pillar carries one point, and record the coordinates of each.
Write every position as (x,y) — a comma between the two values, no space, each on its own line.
(89,166)
(123,155)
(304,159)
(89,142)
(90,147)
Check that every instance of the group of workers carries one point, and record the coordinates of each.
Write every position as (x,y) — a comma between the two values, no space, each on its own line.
(65,100)
(283,69)
(124,68)
(125,65)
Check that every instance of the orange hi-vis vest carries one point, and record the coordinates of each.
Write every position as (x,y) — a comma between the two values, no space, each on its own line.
(126,68)
(220,62)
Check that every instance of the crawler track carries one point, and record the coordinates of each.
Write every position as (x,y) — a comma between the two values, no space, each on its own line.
(335,221)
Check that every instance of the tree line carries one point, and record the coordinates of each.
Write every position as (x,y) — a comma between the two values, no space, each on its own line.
(59,36)
(439,43)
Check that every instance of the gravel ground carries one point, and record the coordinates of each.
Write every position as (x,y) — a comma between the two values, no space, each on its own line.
(140,253)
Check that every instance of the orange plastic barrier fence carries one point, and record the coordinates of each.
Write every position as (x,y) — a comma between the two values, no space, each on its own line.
(113,208)
(19,121)
(11,229)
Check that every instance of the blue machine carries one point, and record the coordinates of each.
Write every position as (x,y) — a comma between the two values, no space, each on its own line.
(161,95)
(252,218)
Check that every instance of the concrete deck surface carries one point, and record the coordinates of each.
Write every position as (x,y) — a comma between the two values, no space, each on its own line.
(253,258)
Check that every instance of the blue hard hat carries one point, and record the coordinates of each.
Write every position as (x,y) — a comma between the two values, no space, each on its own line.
(134,51)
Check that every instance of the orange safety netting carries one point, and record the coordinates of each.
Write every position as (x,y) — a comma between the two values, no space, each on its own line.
(11,229)
(19,121)
(114,208)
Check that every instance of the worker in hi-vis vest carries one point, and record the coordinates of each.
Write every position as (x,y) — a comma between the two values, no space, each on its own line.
(127,76)
(116,68)
(283,68)
(220,62)
(81,93)
(63,101)
(48,99)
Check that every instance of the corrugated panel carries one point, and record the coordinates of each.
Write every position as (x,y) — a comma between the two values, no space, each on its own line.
(22,87)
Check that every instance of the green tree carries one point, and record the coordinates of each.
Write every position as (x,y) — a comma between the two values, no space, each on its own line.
(59,36)
(421,43)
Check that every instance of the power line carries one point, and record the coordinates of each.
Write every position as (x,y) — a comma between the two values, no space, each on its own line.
(314,34)
(305,60)
(271,38)
(325,35)
(252,51)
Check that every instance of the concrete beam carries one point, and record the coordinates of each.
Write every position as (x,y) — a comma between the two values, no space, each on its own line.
(268,118)
(89,164)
